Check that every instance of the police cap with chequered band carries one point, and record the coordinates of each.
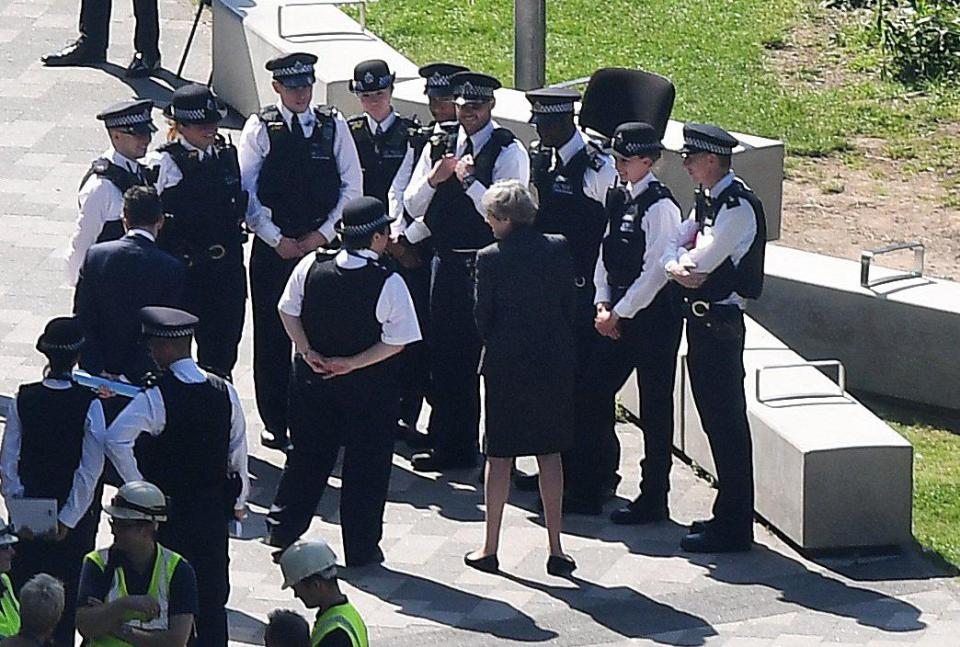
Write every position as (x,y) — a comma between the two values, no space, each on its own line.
(438,76)
(370,76)
(704,138)
(61,335)
(633,139)
(293,70)
(473,87)
(548,103)
(195,104)
(132,117)
(362,216)
(161,321)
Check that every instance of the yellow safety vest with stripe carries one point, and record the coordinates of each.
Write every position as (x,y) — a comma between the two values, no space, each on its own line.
(159,589)
(342,616)
(9,608)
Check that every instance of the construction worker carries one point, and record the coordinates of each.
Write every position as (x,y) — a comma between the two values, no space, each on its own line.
(9,606)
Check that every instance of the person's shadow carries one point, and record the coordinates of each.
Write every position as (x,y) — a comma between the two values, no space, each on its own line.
(420,597)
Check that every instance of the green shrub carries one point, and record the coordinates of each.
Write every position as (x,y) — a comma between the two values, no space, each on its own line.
(922,40)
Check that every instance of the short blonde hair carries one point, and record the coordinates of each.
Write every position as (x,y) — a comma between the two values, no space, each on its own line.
(510,200)
(41,604)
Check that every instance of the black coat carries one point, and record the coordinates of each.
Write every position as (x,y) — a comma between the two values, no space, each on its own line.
(117,279)
(525,314)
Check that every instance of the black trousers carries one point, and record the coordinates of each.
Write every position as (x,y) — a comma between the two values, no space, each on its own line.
(715,363)
(357,412)
(216,292)
(454,358)
(95,25)
(648,343)
(196,527)
(272,350)
(415,358)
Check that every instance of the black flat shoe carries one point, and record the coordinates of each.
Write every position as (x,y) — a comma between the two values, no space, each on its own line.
(636,513)
(274,440)
(561,565)
(78,52)
(700,525)
(142,66)
(488,564)
(709,541)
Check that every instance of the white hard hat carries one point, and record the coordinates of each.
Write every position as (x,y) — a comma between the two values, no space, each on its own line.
(138,500)
(305,558)
(7,535)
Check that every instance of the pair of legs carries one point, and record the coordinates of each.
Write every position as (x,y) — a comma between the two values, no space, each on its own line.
(496,490)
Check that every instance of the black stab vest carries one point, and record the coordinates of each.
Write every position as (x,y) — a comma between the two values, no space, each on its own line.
(299,179)
(566,209)
(625,243)
(188,460)
(52,422)
(382,156)
(207,207)
(122,179)
(453,220)
(745,278)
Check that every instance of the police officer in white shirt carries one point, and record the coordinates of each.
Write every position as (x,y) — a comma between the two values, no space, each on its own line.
(717,259)
(445,194)
(299,166)
(348,317)
(130,127)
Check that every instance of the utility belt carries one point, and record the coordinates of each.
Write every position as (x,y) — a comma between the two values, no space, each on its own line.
(581,282)
(194,256)
(708,312)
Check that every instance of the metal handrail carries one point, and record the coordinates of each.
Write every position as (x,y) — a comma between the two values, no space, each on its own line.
(363,14)
(867,256)
(841,380)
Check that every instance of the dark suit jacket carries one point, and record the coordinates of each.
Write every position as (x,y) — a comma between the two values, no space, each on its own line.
(117,279)
(525,314)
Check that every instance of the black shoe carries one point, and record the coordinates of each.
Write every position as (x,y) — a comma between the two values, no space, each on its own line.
(488,564)
(375,558)
(434,462)
(638,512)
(711,541)
(413,438)
(274,440)
(561,565)
(609,489)
(526,482)
(142,66)
(76,53)
(700,525)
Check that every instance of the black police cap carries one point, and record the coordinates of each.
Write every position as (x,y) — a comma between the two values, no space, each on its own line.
(372,75)
(130,116)
(362,216)
(438,78)
(195,104)
(634,138)
(547,103)
(61,334)
(161,321)
(293,70)
(473,87)
(704,138)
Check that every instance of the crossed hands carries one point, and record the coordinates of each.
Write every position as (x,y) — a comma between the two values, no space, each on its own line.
(290,248)
(328,367)
(607,322)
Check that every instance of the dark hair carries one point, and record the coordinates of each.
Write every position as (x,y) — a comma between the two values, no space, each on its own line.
(142,206)
(364,241)
(61,362)
(287,628)
(653,156)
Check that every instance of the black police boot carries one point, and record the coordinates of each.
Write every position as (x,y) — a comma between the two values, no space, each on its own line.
(79,52)
(274,440)
(713,540)
(640,511)
(143,66)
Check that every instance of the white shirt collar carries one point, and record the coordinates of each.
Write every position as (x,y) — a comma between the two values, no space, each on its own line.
(56,384)
(349,261)
(480,138)
(722,184)
(120,160)
(141,232)
(572,147)
(191,147)
(186,370)
(306,117)
(641,186)
(384,125)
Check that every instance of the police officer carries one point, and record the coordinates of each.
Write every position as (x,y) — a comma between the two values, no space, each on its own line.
(414,259)
(56,413)
(636,315)
(444,193)
(130,127)
(138,590)
(717,259)
(195,448)
(198,178)
(571,176)
(9,606)
(310,569)
(299,166)
(348,316)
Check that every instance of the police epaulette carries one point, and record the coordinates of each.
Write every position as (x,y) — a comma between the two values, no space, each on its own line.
(356,122)
(595,155)
(100,166)
(502,137)
(328,112)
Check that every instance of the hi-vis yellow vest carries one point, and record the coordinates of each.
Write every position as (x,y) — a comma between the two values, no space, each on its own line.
(9,608)
(343,616)
(159,589)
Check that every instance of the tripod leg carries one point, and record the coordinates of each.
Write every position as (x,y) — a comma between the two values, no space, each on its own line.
(193,31)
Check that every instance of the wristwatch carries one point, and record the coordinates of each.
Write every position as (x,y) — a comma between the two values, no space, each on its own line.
(468,181)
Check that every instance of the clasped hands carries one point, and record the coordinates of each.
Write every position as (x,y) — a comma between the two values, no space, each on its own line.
(290,248)
(328,367)
(607,322)
(447,166)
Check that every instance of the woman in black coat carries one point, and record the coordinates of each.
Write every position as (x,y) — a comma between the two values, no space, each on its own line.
(524,311)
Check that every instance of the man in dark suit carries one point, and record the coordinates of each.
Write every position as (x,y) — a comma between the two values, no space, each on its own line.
(116,280)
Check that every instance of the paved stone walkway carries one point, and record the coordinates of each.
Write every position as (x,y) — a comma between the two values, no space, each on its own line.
(632,587)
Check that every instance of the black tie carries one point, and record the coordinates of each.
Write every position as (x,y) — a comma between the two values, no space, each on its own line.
(379,132)
(295,127)
(468,148)
(557,161)
(141,178)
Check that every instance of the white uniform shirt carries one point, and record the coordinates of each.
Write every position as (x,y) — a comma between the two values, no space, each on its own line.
(87,473)
(252,150)
(512,163)
(147,413)
(169,173)
(395,204)
(384,125)
(595,182)
(100,201)
(731,236)
(394,310)
(659,224)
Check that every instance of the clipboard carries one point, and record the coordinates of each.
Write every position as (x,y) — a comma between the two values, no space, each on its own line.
(39,515)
